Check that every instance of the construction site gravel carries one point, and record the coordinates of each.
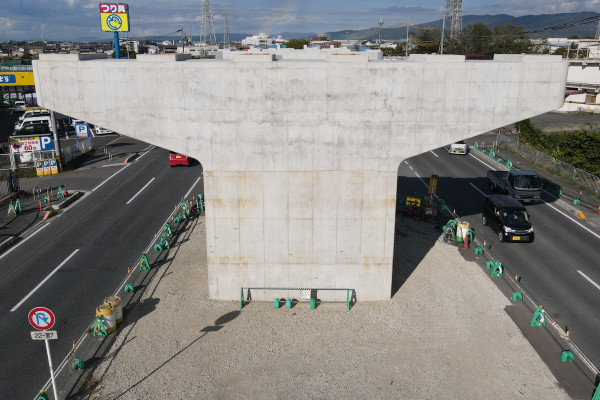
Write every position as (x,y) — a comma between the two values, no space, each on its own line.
(444,334)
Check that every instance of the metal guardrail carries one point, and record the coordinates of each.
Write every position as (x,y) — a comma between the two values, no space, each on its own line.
(554,165)
(306,295)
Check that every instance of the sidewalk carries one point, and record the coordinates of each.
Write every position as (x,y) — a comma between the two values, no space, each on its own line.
(445,334)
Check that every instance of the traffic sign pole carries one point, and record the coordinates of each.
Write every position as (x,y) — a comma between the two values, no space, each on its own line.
(51,369)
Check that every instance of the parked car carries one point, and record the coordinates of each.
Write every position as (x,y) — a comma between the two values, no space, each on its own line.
(33,120)
(33,129)
(98,130)
(458,148)
(34,113)
(20,105)
(178,159)
(508,218)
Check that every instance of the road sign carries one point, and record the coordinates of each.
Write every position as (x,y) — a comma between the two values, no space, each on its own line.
(37,335)
(82,130)
(41,318)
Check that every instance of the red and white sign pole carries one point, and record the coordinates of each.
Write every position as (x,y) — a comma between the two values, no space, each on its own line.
(42,319)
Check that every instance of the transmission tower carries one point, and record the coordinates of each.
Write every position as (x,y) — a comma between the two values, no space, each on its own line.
(453,17)
(207,28)
(226,35)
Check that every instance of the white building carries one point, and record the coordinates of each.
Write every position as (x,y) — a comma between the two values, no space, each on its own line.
(262,39)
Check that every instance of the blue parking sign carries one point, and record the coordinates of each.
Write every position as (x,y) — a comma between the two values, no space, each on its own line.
(82,130)
(46,143)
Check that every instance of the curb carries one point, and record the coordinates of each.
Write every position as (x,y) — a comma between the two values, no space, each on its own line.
(8,242)
(131,158)
(72,198)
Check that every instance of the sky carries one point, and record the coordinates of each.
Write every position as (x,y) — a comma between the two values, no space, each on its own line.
(78,19)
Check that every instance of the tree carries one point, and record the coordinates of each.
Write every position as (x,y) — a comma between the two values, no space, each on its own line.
(478,39)
(511,39)
(296,43)
(428,41)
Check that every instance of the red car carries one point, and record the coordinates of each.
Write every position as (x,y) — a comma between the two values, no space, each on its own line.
(178,159)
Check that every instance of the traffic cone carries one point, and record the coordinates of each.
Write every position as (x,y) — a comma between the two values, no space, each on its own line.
(466,242)
(598,212)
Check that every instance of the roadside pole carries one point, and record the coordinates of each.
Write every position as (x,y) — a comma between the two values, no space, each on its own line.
(51,369)
(56,141)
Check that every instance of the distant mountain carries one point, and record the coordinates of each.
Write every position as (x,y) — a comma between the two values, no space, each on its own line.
(528,22)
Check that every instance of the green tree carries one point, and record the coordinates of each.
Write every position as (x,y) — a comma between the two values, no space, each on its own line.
(428,41)
(510,39)
(478,39)
(296,43)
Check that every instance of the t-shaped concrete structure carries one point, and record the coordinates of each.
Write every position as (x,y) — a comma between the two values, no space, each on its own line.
(300,152)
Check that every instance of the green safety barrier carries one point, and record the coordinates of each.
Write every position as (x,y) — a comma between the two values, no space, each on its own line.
(441,206)
(492,154)
(483,151)
(167,230)
(276,303)
(200,202)
(497,271)
(144,263)
(470,234)
(348,299)
(539,318)
(509,164)
(46,198)
(129,288)
(288,303)
(11,210)
(42,395)
(60,194)
(489,264)
(313,304)
(596,395)
(242,298)
(478,250)
(99,328)
(566,355)
(476,145)
(500,161)
(575,202)
(517,295)
(78,364)
(176,220)
(18,206)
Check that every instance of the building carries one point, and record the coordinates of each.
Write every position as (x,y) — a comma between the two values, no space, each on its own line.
(262,39)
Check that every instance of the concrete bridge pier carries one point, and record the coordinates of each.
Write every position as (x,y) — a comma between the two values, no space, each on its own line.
(300,149)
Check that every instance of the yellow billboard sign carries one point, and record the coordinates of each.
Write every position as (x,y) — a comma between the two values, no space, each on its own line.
(16,78)
(114,17)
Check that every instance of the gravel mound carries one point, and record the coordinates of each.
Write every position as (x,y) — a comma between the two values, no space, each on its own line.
(443,335)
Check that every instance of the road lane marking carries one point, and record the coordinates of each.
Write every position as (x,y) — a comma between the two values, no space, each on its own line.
(571,219)
(135,195)
(191,187)
(110,177)
(44,281)
(146,151)
(483,162)
(476,188)
(23,241)
(431,151)
(588,278)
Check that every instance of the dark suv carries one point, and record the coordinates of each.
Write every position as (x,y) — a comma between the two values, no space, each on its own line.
(508,218)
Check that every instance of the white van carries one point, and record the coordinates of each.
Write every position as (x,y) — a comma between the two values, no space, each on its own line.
(34,113)
(33,120)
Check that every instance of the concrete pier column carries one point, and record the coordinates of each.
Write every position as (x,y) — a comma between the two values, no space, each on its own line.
(326,229)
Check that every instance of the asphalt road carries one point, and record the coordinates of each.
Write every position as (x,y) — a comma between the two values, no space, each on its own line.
(552,268)
(82,255)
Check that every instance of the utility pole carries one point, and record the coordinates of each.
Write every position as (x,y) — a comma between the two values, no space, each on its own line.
(379,39)
(182,41)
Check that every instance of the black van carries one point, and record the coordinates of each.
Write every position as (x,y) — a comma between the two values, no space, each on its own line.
(508,218)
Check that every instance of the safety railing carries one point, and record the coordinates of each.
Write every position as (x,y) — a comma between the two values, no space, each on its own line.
(304,295)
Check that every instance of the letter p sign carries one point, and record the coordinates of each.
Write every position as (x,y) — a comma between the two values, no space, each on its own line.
(46,143)
(81,130)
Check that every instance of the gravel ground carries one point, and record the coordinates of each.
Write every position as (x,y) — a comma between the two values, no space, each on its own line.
(443,335)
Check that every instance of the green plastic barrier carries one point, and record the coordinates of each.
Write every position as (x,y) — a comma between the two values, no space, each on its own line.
(509,164)
(539,318)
